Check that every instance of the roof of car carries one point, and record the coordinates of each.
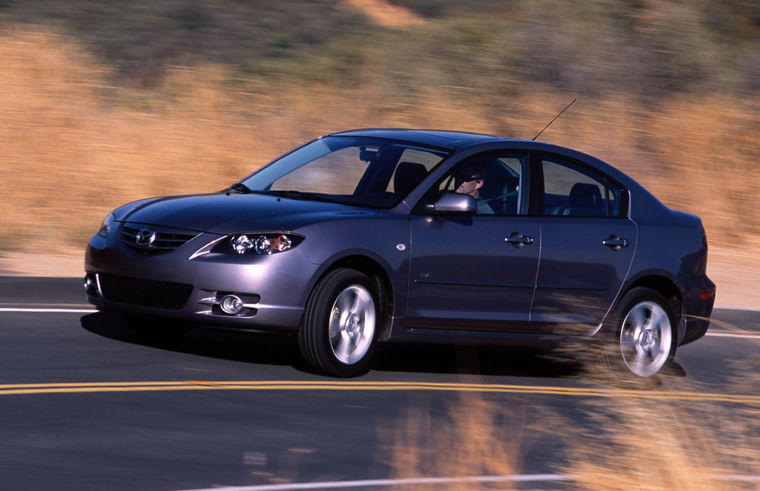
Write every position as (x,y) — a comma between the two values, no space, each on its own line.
(437,138)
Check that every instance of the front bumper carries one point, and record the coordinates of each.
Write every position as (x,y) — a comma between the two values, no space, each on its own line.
(185,285)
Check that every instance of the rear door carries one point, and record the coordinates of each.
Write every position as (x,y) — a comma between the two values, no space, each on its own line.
(587,246)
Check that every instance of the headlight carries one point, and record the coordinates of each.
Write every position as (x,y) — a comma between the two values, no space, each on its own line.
(107,225)
(241,243)
(263,244)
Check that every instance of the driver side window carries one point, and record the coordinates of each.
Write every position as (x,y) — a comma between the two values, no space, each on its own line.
(498,182)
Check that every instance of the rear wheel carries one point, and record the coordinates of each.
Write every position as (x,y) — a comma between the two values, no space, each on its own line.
(340,323)
(645,336)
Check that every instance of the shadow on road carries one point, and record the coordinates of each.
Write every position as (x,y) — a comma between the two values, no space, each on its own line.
(471,360)
(281,350)
(228,345)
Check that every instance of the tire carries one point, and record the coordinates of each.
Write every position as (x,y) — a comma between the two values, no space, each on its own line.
(340,324)
(644,341)
(155,330)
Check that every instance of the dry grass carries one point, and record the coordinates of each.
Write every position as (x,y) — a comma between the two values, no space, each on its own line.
(597,443)
(666,446)
(467,441)
(67,157)
(74,147)
(615,442)
(386,14)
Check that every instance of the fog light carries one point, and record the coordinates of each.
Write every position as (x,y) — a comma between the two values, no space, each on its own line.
(90,285)
(231,304)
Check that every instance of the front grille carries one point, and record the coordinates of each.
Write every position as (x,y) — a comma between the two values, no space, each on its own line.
(166,240)
(145,293)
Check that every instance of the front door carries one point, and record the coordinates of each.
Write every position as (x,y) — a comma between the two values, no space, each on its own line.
(466,276)
(478,271)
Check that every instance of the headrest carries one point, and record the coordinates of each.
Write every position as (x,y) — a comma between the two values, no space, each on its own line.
(585,200)
(408,176)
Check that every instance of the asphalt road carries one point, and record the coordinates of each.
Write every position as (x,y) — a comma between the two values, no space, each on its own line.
(85,403)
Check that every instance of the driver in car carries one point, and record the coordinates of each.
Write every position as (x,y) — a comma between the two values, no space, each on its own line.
(469,180)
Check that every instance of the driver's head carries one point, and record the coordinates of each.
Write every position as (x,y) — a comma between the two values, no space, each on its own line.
(469,180)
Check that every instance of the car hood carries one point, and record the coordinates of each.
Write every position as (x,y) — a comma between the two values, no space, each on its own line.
(231,213)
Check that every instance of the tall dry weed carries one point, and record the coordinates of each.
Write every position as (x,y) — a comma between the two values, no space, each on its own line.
(665,446)
(618,440)
(603,443)
(671,444)
(471,439)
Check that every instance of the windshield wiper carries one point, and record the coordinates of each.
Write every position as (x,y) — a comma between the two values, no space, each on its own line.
(239,187)
(293,194)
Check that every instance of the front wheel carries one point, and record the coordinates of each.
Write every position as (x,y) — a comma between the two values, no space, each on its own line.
(645,334)
(337,335)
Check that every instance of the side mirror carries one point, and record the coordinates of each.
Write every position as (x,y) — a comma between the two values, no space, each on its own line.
(453,203)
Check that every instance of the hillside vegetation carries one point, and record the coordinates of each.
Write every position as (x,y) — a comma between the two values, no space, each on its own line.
(106,102)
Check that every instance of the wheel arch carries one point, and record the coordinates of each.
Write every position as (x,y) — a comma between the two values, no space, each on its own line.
(662,284)
(375,271)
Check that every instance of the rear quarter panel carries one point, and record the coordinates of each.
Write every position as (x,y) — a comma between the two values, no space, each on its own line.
(672,245)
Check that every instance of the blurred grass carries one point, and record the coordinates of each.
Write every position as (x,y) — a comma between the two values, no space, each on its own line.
(465,441)
(598,443)
(103,102)
(666,446)
(617,442)
(669,444)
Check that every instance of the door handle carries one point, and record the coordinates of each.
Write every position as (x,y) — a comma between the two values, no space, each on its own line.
(518,240)
(615,243)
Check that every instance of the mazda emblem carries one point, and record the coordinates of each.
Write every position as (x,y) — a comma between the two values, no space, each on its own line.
(145,237)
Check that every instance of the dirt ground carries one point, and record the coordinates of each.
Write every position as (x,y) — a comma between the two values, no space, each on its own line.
(735,272)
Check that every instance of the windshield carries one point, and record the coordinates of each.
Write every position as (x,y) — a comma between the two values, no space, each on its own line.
(362,171)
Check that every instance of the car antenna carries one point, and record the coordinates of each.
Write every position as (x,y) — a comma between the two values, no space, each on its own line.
(555,118)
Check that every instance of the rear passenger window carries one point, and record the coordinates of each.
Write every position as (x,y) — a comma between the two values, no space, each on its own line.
(572,190)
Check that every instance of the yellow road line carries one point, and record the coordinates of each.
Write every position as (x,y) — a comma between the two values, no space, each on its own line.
(95,387)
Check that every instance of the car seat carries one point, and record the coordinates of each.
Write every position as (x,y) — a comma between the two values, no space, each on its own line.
(408,176)
(585,200)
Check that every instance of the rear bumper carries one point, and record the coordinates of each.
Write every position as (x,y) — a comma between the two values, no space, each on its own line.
(697,309)
(694,328)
